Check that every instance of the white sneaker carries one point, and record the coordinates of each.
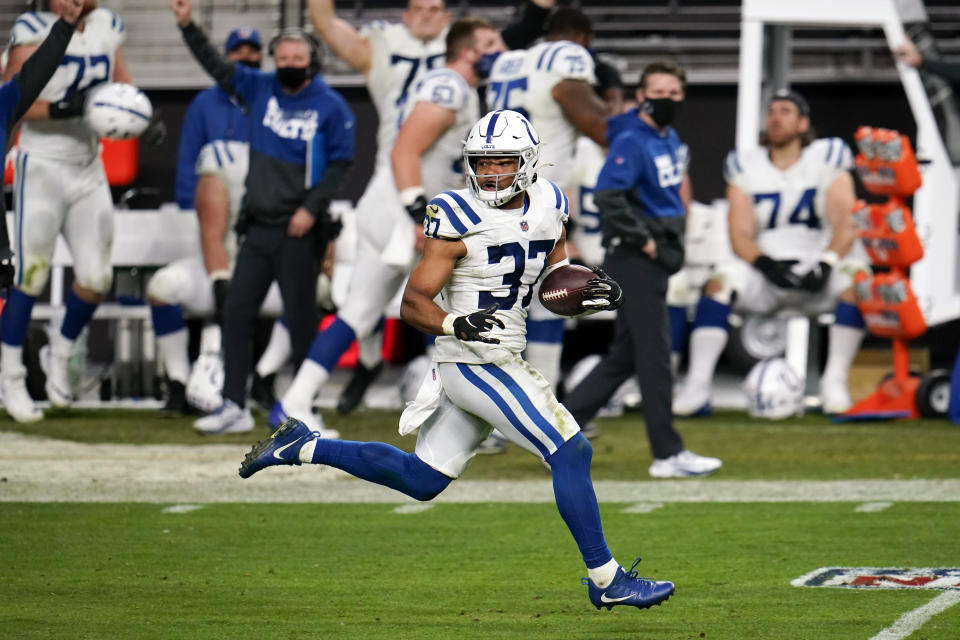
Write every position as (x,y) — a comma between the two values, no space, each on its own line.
(834,397)
(684,465)
(314,422)
(692,400)
(495,443)
(17,400)
(58,388)
(229,418)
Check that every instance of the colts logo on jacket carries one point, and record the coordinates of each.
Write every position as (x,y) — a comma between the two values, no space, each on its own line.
(290,124)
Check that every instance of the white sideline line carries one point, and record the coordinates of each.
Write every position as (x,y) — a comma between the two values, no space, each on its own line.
(417,507)
(913,620)
(181,508)
(643,507)
(873,507)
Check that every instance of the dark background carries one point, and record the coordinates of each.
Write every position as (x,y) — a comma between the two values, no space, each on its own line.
(707,123)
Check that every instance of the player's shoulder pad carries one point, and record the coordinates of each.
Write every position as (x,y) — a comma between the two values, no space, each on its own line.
(451,215)
(553,196)
(567,59)
(31,28)
(443,87)
(732,166)
(833,153)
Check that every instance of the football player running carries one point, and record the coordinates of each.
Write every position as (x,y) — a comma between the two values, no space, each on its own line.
(60,188)
(552,84)
(486,247)
(792,228)
(440,109)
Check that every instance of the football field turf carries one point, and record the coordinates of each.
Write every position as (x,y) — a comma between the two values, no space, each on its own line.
(500,568)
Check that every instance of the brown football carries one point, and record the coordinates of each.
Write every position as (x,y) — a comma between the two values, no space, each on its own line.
(562,290)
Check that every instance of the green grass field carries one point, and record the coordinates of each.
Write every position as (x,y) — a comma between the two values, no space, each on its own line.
(489,570)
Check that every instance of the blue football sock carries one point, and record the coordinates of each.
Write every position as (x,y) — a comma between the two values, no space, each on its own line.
(167,318)
(16,317)
(848,315)
(577,500)
(711,313)
(678,327)
(330,344)
(78,315)
(382,464)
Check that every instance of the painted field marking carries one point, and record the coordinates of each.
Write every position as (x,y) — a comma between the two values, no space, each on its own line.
(413,508)
(642,507)
(913,620)
(181,508)
(946,580)
(873,507)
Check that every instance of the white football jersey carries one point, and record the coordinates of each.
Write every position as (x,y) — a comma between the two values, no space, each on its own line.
(399,60)
(507,250)
(229,160)
(790,205)
(586,233)
(89,60)
(523,81)
(441,166)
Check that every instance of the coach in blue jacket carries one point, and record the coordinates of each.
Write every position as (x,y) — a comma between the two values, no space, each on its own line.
(642,193)
(301,147)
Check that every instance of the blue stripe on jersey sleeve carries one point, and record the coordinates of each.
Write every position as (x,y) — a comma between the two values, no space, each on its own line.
(226,152)
(451,216)
(554,55)
(557,195)
(542,56)
(830,151)
(216,154)
(25,23)
(471,214)
(39,18)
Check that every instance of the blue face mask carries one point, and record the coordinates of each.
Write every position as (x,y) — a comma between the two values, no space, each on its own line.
(485,66)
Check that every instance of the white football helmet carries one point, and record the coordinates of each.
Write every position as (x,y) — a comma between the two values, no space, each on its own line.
(774,390)
(502,133)
(205,384)
(117,111)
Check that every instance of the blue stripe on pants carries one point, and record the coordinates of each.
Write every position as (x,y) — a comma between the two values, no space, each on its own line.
(548,429)
(505,409)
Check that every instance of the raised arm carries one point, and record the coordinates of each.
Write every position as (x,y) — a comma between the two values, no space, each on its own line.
(31,67)
(212,62)
(345,41)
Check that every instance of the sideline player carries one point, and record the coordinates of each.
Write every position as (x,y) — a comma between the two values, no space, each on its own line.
(479,379)
(392,57)
(552,83)
(17,95)
(61,188)
(439,111)
(791,226)
(211,169)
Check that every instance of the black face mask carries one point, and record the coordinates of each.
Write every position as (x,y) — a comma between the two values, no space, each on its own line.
(662,110)
(292,77)
(253,64)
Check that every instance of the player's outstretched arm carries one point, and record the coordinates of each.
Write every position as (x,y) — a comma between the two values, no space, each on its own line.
(427,279)
(581,106)
(345,41)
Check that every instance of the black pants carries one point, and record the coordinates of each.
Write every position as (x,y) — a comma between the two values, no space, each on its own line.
(268,254)
(641,347)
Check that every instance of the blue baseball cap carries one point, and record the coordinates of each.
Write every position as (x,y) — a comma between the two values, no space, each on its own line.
(242,35)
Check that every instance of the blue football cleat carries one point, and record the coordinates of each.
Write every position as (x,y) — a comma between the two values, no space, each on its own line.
(282,447)
(628,589)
